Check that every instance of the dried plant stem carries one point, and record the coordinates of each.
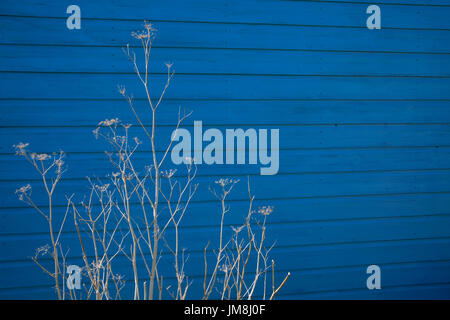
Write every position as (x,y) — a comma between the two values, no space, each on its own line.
(42,164)
(280,286)
(129,215)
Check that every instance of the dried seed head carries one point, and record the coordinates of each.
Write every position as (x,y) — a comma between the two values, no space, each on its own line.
(168,65)
(168,173)
(42,250)
(43,157)
(265,210)
(238,229)
(148,32)
(137,141)
(21,148)
(109,122)
(102,188)
(115,174)
(224,268)
(225,182)
(59,163)
(24,191)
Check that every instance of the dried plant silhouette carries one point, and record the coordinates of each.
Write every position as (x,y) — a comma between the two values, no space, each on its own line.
(135,213)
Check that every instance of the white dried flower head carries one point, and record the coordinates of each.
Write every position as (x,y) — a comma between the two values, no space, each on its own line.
(144,34)
(24,191)
(102,188)
(43,157)
(119,139)
(109,122)
(120,279)
(21,148)
(225,182)
(168,173)
(59,163)
(149,26)
(140,35)
(265,210)
(238,229)
(168,65)
(137,141)
(115,174)
(126,125)
(42,250)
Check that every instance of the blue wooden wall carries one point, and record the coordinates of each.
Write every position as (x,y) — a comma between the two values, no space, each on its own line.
(364,118)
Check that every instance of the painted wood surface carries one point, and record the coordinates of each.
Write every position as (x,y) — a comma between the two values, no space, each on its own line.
(364,119)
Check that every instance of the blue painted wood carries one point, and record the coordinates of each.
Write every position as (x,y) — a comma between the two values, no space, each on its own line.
(290,186)
(20,247)
(317,209)
(356,160)
(89,113)
(194,34)
(347,13)
(364,119)
(224,61)
(296,137)
(310,257)
(95,86)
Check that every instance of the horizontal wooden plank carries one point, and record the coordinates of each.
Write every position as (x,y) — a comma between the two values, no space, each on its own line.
(80,165)
(104,86)
(291,137)
(289,186)
(207,61)
(312,209)
(30,113)
(21,247)
(346,13)
(188,34)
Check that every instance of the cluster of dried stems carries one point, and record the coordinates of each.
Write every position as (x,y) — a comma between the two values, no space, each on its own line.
(233,257)
(123,216)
